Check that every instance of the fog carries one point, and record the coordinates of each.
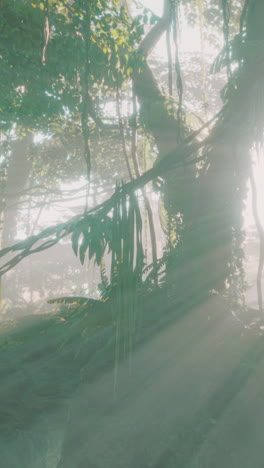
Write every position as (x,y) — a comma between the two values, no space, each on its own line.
(131,335)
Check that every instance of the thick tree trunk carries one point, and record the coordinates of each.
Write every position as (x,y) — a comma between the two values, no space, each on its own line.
(159,120)
(222,190)
(212,204)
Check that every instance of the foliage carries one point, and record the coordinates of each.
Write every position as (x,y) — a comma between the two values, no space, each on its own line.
(55,233)
(34,94)
(88,51)
(204,201)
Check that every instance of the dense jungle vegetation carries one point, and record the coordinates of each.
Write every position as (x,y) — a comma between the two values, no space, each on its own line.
(129,133)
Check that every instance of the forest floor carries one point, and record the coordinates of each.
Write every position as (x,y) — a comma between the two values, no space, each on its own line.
(191,397)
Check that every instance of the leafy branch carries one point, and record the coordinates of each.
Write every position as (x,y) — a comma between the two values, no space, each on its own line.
(52,235)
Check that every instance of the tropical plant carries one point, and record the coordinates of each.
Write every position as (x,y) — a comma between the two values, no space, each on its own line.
(87,52)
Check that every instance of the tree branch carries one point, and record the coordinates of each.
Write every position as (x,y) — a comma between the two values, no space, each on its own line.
(54,234)
(154,35)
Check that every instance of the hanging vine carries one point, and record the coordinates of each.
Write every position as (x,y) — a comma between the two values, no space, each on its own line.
(243,15)
(169,54)
(179,82)
(46,33)
(203,61)
(260,231)
(85,90)
(226,19)
(122,133)
(137,172)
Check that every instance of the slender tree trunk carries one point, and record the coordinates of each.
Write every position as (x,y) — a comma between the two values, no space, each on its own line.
(17,177)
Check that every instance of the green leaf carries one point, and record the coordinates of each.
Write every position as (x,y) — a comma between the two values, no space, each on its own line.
(84,246)
(75,239)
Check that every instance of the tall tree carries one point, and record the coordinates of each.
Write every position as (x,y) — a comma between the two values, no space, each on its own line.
(207,201)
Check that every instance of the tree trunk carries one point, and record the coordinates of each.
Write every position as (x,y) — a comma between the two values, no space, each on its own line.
(17,177)
(222,189)
(212,204)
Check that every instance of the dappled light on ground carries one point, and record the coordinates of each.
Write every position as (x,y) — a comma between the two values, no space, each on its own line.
(185,398)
